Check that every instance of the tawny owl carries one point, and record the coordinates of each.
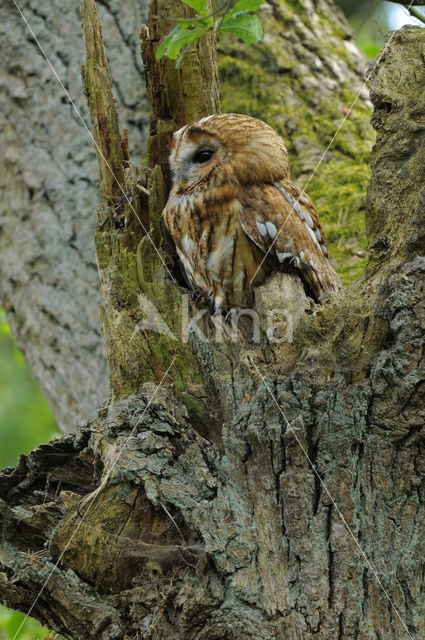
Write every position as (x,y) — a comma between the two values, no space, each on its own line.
(235,215)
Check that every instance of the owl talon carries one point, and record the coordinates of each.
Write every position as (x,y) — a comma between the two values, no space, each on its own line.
(196,296)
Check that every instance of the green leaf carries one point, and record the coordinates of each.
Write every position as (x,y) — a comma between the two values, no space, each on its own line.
(206,22)
(183,39)
(201,6)
(245,5)
(165,43)
(243,25)
(177,40)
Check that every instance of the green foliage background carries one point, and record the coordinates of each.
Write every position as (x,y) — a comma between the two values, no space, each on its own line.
(25,417)
(25,422)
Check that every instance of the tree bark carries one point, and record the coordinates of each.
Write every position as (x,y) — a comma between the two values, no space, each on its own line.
(230,490)
(49,282)
(300,78)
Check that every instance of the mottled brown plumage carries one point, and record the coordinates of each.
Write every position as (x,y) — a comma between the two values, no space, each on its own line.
(234,213)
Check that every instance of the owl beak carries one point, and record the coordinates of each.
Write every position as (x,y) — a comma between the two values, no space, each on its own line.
(182,183)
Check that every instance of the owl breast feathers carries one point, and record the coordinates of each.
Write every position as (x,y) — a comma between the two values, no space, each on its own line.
(235,215)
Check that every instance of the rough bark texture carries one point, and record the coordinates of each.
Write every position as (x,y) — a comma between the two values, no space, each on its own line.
(299,78)
(165,533)
(49,282)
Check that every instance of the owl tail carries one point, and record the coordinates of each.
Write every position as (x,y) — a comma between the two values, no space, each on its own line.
(320,280)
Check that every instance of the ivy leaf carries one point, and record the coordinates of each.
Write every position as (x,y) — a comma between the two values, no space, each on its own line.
(243,25)
(201,6)
(177,40)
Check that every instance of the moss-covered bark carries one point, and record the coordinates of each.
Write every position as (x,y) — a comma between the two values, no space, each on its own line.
(236,532)
(300,78)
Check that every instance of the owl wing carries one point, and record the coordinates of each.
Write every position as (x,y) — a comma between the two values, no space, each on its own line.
(282,221)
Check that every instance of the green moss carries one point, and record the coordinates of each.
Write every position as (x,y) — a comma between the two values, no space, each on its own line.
(194,407)
(237,98)
(127,264)
(338,190)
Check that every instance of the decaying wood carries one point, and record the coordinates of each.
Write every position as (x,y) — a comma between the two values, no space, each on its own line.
(178,94)
(191,510)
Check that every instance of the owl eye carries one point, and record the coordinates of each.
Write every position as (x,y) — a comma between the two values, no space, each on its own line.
(202,156)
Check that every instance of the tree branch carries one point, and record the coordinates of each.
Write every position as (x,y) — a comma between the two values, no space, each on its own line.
(412,10)
(406,3)
(98,91)
(417,14)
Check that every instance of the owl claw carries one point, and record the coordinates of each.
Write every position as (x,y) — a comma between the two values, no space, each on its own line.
(196,296)
(228,315)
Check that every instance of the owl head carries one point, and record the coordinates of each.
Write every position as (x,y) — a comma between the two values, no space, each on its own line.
(228,145)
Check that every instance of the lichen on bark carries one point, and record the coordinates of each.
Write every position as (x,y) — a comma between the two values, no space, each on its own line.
(166,532)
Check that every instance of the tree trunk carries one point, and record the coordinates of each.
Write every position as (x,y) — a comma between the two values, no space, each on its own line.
(49,284)
(300,79)
(234,490)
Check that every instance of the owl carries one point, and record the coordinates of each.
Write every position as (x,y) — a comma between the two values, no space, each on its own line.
(236,216)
